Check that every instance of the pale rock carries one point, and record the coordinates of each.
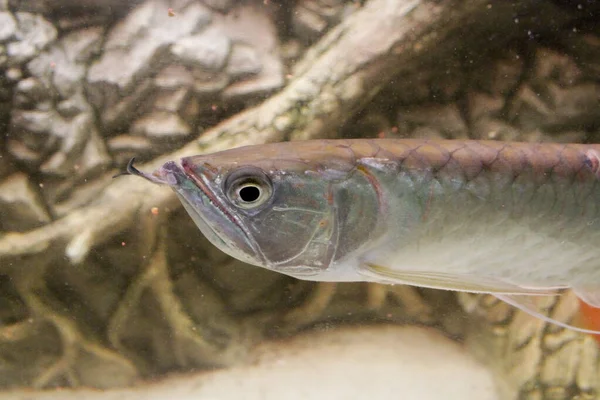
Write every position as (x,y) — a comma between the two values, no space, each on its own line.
(121,90)
(312,18)
(33,34)
(75,136)
(111,70)
(161,125)
(22,153)
(34,129)
(13,74)
(244,60)
(124,109)
(95,158)
(174,77)
(208,50)
(64,173)
(63,65)
(250,25)
(81,45)
(207,84)
(8,26)
(124,147)
(129,143)
(151,21)
(308,24)
(172,101)
(56,71)
(141,38)
(73,106)
(269,79)
(178,101)
(21,206)
(28,92)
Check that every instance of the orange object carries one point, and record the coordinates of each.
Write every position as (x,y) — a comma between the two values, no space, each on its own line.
(590,317)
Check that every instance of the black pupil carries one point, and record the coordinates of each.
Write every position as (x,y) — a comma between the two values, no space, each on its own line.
(249,194)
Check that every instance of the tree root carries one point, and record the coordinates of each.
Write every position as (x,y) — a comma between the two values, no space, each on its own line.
(186,337)
(414,306)
(74,344)
(311,309)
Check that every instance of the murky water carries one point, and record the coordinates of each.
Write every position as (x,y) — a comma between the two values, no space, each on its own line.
(106,283)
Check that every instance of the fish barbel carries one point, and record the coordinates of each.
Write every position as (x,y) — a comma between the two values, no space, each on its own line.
(503,218)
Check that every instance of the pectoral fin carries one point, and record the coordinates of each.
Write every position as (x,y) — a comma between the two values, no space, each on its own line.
(514,295)
(446,281)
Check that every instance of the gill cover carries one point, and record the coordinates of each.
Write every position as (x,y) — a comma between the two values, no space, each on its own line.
(298,219)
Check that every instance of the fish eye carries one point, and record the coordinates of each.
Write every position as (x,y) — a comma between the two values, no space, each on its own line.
(248,188)
(249,193)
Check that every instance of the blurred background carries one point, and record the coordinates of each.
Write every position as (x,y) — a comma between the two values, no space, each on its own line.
(108,284)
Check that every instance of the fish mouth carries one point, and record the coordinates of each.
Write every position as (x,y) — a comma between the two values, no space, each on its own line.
(219,225)
(201,182)
(201,177)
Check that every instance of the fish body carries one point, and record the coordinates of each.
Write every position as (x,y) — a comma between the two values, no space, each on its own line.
(505,218)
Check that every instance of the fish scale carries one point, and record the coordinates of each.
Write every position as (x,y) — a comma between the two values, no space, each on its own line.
(504,218)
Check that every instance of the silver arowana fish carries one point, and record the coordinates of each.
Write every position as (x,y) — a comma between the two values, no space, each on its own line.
(503,218)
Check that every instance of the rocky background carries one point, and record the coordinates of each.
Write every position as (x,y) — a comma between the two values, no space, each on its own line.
(104,282)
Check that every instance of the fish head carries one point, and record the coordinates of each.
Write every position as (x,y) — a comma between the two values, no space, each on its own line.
(272,211)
